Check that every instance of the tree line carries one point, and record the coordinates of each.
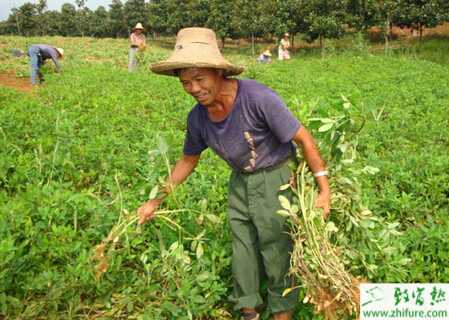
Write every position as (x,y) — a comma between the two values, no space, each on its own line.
(313,19)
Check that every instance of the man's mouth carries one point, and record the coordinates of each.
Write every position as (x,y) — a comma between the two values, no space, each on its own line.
(201,97)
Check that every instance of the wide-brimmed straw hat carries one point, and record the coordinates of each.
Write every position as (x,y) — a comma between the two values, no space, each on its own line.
(267,53)
(195,48)
(138,26)
(60,51)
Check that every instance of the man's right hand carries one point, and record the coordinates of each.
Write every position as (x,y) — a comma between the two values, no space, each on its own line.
(147,210)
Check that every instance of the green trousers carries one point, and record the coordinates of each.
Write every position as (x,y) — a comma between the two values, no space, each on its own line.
(261,244)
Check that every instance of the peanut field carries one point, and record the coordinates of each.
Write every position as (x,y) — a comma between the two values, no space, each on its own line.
(79,154)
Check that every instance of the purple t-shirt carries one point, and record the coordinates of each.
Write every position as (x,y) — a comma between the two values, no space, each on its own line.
(256,134)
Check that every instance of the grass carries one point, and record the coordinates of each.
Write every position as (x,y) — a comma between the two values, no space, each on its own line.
(78,152)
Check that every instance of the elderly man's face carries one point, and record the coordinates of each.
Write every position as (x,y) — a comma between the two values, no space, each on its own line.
(201,83)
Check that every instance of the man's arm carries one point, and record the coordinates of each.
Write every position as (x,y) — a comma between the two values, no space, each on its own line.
(55,57)
(313,158)
(183,168)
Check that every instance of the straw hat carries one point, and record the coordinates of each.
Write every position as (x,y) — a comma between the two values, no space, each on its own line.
(195,48)
(138,26)
(267,53)
(60,51)
(286,34)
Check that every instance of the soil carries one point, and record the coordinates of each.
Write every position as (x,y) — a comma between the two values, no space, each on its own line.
(9,80)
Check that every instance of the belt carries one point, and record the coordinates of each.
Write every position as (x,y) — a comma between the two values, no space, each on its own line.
(267,169)
(134,46)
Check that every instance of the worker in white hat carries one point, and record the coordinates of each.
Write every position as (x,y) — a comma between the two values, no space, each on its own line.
(137,44)
(249,126)
(265,57)
(38,53)
(284,45)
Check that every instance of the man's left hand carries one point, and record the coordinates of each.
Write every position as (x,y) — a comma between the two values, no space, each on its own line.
(324,201)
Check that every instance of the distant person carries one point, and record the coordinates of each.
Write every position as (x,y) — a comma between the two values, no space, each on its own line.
(284,45)
(137,43)
(265,57)
(38,53)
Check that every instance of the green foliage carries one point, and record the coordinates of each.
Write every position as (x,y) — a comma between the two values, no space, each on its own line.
(362,13)
(117,19)
(324,19)
(135,11)
(418,14)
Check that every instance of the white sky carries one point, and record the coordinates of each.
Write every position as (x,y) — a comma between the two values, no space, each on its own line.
(7,5)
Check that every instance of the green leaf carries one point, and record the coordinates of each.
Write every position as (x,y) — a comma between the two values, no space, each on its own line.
(169,307)
(325,127)
(284,187)
(283,213)
(162,145)
(285,203)
(199,251)
(327,120)
(153,192)
(294,209)
(213,218)
(287,291)
(330,227)
(370,170)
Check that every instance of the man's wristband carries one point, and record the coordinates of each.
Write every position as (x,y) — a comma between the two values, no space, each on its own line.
(320,173)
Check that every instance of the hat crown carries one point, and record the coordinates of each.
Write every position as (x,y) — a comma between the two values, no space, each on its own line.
(195,48)
(196,35)
(138,26)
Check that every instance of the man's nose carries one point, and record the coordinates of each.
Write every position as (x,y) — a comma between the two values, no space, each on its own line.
(195,87)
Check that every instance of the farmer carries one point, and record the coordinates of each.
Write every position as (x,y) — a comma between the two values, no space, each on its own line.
(38,53)
(265,57)
(249,126)
(284,45)
(137,43)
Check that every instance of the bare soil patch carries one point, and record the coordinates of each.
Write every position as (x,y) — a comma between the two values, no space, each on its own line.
(9,80)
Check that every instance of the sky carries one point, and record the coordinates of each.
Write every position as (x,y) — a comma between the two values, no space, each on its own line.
(7,5)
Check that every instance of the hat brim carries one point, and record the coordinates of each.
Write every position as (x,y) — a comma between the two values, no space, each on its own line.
(61,53)
(170,68)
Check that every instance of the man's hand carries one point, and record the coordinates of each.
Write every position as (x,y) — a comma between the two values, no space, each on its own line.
(147,210)
(324,201)
(183,168)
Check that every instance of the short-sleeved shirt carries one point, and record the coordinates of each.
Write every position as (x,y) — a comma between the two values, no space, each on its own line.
(256,134)
(137,40)
(47,52)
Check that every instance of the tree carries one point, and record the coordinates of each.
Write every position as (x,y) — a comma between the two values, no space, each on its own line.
(200,10)
(288,16)
(219,17)
(12,24)
(82,16)
(25,18)
(252,19)
(117,20)
(54,20)
(385,12)
(324,19)
(69,25)
(362,14)
(420,14)
(135,11)
(101,26)
(41,18)
(168,16)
